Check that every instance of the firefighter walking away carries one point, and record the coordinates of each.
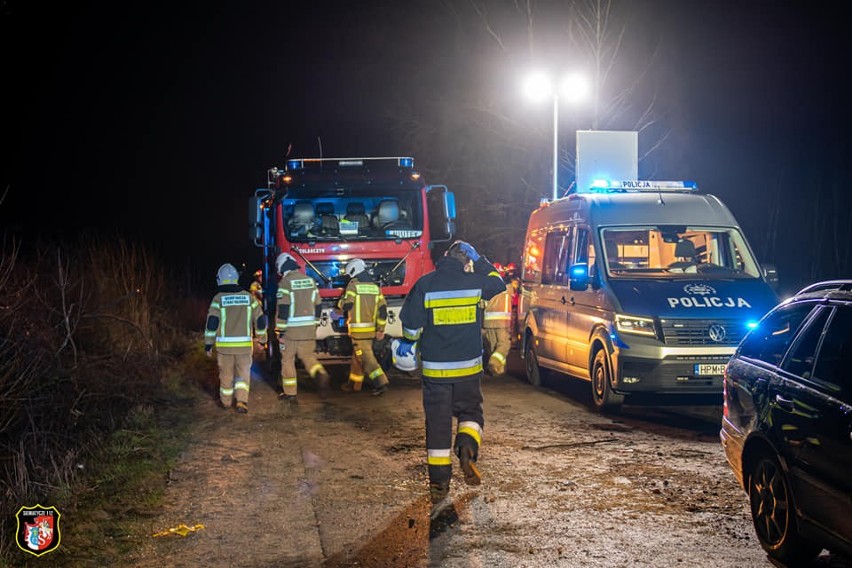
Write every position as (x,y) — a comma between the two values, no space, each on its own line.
(234,321)
(366,316)
(296,318)
(443,315)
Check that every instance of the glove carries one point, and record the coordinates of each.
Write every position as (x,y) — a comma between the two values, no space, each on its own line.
(406,348)
(469,251)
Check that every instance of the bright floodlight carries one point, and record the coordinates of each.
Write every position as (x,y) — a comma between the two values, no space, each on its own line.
(538,87)
(574,88)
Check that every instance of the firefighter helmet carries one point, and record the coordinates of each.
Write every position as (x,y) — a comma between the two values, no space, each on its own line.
(258,274)
(285,262)
(355,267)
(227,274)
(403,362)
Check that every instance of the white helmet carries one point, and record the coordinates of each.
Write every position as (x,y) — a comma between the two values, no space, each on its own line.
(227,274)
(281,260)
(403,362)
(355,267)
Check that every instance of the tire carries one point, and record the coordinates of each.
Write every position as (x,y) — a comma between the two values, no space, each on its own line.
(534,372)
(774,515)
(601,374)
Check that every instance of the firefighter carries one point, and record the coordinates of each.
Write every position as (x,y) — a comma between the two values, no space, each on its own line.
(256,287)
(366,315)
(496,333)
(296,318)
(233,318)
(443,314)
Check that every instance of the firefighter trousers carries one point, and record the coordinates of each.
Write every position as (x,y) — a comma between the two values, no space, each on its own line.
(234,377)
(443,401)
(497,342)
(305,350)
(364,364)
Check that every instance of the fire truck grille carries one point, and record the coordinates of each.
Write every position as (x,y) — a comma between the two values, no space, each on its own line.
(702,332)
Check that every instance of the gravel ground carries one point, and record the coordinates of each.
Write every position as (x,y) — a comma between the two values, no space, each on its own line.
(343,482)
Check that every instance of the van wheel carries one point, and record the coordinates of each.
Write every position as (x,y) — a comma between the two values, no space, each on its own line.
(534,372)
(602,395)
(774,515)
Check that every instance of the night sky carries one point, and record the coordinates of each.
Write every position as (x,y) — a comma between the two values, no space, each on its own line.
(160,119)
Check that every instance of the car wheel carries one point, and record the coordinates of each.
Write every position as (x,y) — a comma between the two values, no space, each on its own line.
(602,394)
(534,372)
(774,515)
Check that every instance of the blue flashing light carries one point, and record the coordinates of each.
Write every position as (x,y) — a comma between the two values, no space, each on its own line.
(406,162)
(602,185)
(295,164)
(578,271)
(617,341)
(751,324)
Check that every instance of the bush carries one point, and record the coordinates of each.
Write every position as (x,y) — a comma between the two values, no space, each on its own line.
(84,337)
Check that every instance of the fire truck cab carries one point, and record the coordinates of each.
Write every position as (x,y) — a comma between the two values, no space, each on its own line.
(327,211)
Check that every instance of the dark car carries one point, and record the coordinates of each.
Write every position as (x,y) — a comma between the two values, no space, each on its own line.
(787,423)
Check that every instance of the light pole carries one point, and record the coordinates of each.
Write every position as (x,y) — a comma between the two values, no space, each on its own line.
(539,86)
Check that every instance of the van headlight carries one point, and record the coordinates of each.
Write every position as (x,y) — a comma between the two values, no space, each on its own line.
(635,325)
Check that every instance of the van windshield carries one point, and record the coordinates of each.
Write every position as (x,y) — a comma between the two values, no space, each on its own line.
(672,251)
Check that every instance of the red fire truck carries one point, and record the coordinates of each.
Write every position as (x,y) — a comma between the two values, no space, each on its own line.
(327,211)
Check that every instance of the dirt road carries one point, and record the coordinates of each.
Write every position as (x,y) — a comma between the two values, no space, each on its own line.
(343,482)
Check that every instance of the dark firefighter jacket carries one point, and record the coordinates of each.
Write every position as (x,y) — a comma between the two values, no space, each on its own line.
(444,313)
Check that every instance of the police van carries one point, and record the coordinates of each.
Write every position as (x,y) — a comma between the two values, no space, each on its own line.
(641,288)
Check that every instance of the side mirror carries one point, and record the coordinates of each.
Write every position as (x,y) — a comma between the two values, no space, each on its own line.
(255,219)
(578,276)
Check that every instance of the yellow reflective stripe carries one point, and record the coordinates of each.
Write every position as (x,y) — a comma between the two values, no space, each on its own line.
(356,378)
(497,315)
(316,369)
(499,357)
(288,382)
(412,334)
(495,273)
(449,373)
(454,316)
(450,302)
(241,385)
(221,343)
(376,373)
(226,392)
(439,457)
(472,429)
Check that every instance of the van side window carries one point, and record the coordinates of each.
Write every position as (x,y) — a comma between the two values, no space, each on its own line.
(557,254)
(533,257)
(585,250)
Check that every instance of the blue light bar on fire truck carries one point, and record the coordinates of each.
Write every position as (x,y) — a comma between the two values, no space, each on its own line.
(611,186)
(318,163)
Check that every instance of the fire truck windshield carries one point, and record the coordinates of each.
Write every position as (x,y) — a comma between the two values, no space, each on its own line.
(352,213)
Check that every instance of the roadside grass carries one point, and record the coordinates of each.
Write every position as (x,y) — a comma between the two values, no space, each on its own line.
(129,476)
(100,366)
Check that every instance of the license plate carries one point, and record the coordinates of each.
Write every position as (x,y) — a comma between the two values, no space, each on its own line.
(713,370)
